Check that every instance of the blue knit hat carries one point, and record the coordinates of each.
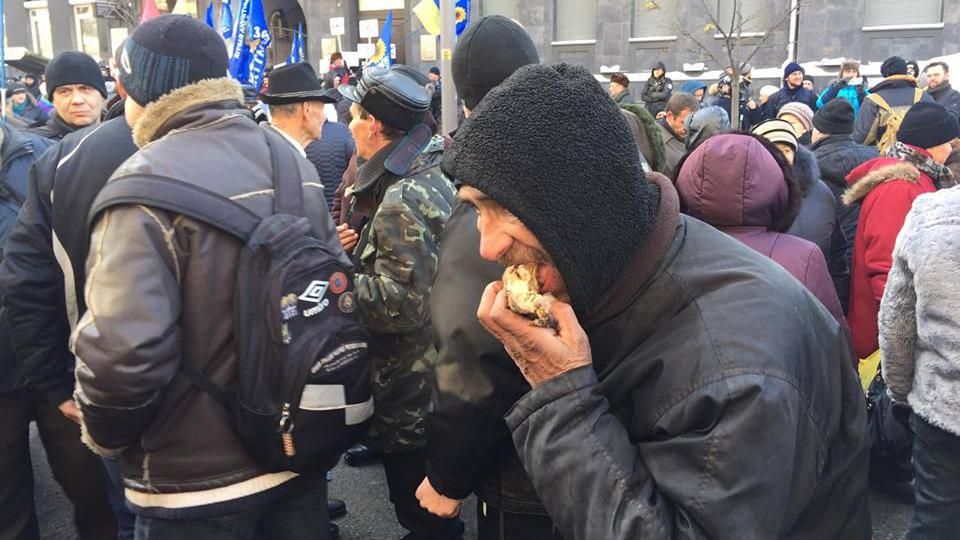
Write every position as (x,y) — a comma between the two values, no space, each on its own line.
(792,67)
(168,52)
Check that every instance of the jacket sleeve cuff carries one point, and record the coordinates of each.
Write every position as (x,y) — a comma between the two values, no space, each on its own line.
(444,487)
(116,427)
(59,392)
(567,383)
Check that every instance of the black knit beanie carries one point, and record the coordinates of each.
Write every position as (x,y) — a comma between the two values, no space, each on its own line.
(489,51)
(835,118)
(74,67)
(927,125)
(168,52)
(552,147)
(893,66)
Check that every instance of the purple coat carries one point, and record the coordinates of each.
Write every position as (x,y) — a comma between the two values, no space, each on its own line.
(733,183)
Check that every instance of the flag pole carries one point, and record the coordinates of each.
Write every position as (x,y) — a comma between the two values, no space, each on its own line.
(448,38)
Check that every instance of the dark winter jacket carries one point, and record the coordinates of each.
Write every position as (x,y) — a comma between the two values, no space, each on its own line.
(18,151)
(788,95)
(468,444)
(948,97)
(733,183)
(748,117)
(885,189)
(672,432)
(334,156)
(160,294)
(647,134)
(674,146)
(54,128)
(42,285)
(837,156)
(855,95)
(898,91)
(818,220)
(623,98)
(657,92)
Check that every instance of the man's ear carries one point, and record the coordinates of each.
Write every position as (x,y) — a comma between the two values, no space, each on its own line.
(376,127)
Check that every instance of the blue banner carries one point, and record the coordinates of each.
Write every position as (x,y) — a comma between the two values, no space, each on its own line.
(461,10)
(249,56)
(382,56)
(209,19)
(226,21)
(296,53)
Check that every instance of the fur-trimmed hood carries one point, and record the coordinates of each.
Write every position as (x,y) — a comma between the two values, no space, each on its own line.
(155,121)
(877,171)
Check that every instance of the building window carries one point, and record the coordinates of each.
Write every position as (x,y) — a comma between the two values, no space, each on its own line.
(750,10)
(575,20)
(654,19)
(88,41)
(40,32)
(895,13)
(508,8)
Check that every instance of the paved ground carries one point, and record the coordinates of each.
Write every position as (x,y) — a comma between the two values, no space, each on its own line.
(370,515)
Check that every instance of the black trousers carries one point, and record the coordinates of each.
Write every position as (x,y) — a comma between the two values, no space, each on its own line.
(405,471)
(495,524)
(78,471)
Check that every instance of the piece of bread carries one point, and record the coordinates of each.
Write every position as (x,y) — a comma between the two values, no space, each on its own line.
(523,295)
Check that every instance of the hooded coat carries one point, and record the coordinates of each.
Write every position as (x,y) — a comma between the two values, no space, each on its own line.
(657,92)
(734,183)
(818,220)
(885,189)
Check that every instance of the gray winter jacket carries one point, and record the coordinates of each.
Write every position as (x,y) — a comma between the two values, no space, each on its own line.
(160,290)
(690,423)
(920,312)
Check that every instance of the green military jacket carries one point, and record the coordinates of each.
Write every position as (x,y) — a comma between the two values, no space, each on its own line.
(396,260)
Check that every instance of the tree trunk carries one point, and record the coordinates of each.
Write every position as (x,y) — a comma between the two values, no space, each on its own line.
(735,98)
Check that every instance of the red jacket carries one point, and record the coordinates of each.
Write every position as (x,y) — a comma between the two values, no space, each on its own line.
(885,188)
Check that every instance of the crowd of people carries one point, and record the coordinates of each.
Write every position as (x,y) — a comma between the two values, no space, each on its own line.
(739,320)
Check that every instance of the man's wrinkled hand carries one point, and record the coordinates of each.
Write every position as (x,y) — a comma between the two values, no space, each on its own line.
(348,237)
(71,411)
(435,503)
(540,353)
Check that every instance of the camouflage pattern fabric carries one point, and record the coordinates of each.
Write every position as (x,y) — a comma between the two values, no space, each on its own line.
(397,254)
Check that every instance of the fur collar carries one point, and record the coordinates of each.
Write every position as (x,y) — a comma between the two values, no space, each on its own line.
(897,171)
(158,113)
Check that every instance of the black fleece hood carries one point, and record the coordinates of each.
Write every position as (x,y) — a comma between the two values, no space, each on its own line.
(552,147)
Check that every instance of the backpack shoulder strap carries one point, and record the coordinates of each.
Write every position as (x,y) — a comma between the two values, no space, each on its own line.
(287,183)
(179,197)
(878,99)
(917,95)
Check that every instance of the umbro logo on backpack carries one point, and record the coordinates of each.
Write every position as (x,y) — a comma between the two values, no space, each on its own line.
(314,292)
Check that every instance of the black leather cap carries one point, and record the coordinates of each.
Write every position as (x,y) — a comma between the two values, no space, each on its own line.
(390,95)
(294,83)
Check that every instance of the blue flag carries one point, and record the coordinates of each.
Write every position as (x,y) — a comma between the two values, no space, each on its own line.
(382,55)
(462,11)
(296,53)
(249,56)
(209,19)
(226,21)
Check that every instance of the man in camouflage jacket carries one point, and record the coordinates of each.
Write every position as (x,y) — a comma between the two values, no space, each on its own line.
(407,201)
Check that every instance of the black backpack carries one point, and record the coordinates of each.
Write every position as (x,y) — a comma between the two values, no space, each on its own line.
(303,389)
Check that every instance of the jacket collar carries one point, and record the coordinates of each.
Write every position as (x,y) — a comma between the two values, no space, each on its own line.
(370,173)
(645,262)
(832,140)
(895,81)
(942,89)
(200,102)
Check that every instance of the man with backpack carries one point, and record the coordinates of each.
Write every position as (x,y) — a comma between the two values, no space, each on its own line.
(175,305)
(408,201)
(884,107)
